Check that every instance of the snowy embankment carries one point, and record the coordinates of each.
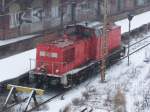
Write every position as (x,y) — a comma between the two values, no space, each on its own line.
(5,42)
(16,65)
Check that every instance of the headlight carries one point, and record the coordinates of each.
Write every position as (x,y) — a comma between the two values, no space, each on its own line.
(56,70)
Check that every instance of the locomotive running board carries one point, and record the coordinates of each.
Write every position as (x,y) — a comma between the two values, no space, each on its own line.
(15,89)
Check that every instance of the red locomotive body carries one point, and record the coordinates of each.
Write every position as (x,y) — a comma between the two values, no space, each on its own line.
(78,50)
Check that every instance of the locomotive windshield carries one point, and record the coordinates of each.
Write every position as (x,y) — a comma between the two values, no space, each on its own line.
(79,31)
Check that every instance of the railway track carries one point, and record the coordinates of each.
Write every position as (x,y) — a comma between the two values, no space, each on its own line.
(146,37)
(136,49)
(61,94)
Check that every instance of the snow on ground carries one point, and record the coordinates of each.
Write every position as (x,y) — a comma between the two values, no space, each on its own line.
(137,21)
(16,65)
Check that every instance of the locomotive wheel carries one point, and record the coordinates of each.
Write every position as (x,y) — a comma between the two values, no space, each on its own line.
(45,82)
(70,83)
(31,78)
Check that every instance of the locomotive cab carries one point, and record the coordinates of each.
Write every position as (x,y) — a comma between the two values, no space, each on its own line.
(55,56)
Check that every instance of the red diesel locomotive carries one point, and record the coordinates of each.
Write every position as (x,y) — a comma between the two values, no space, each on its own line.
(76,55)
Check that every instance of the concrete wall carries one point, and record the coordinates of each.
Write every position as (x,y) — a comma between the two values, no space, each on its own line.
(17,47)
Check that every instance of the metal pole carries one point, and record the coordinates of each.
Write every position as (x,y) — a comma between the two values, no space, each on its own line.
(129,43)
(30,63)
(73,12)
(62,17)
(130,17)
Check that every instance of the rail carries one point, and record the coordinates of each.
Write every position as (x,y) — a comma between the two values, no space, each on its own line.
(139,41)
(135,51)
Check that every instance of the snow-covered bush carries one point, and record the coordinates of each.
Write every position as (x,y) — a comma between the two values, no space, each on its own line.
(85,94)
(76,101)
(119,101)
(67,108)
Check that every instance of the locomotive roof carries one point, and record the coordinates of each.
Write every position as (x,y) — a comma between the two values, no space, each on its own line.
(66,42)
(62,42)
(92,25)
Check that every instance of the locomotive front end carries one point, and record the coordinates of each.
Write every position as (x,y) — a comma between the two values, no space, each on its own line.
(53,60)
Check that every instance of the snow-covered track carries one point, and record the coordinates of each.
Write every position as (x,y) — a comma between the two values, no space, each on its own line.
(136,50)
(144,38)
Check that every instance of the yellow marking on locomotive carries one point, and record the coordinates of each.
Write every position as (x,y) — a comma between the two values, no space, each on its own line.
(25,89)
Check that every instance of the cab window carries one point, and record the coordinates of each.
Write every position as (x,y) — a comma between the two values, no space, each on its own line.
(47,54)
(42,53)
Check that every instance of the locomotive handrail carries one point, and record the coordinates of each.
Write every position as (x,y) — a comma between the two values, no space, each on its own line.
(30,61)
(47,63)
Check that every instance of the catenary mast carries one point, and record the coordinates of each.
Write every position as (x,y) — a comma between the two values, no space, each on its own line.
(104,41)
